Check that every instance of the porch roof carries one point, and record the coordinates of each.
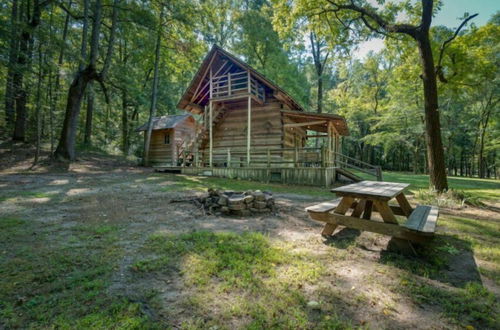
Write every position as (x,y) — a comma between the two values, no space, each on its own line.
(319,121)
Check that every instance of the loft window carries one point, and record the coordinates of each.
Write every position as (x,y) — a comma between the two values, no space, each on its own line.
(166,138)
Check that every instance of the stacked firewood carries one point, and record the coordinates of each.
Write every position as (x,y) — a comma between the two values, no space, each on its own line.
(238,203)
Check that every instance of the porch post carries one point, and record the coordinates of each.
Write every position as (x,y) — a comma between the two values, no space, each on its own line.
(249,128)
(210,122)
(249,116)
(330,144)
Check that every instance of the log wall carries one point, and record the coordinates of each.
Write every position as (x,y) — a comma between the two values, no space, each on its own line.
(159,152)
(180,136)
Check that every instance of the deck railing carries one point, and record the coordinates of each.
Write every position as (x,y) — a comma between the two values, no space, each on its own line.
(234,84)
(285,158)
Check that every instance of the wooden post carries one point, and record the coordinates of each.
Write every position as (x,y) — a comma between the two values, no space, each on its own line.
(229,83)
(249,128)
(323,156)
(210,123)
(196,158)
(249,117)
(296,157)
(228,157)
(268,158)
(329,143)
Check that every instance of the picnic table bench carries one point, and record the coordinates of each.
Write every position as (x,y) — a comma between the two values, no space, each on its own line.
(366,197)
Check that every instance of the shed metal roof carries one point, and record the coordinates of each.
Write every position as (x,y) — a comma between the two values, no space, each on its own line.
(164,122)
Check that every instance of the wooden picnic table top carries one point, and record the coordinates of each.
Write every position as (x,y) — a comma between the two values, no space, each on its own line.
(371,189)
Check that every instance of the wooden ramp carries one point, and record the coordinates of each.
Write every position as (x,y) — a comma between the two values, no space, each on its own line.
(351,176)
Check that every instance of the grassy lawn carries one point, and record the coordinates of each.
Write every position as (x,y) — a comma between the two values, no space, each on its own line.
(482,189)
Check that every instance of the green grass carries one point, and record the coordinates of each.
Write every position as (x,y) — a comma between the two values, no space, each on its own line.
(472,304)
(483,236)
(62,282)
(24,194)
(233,276)
(487,189)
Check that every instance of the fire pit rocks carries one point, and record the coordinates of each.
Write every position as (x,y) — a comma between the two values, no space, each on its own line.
(238,203)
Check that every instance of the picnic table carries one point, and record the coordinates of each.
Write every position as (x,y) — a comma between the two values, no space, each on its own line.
(366,197)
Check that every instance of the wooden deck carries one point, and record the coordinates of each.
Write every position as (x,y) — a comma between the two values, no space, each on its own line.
(309,176)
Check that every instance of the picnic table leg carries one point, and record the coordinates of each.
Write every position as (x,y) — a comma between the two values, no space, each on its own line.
(367,214)
(395,243)
(342,208)
(360,207)
(403,203)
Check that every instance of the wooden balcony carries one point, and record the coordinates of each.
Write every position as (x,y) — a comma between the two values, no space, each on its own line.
(235,85)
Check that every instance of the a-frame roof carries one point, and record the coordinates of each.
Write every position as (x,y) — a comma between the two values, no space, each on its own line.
(216,51)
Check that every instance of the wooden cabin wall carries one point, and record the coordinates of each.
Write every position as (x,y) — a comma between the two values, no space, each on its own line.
(159,152)
(231,131)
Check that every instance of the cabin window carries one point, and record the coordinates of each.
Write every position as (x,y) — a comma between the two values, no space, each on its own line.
(166,138)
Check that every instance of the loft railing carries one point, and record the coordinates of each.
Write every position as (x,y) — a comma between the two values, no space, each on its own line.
(234,84)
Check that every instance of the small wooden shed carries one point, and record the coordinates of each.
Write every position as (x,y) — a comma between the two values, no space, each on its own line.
(170,138)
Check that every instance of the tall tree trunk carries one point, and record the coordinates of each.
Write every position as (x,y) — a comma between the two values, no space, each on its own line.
(435,152)
(152,109)
(38,105)
(125,125)
(13,50)
(66,147)
(20,96)
(87,137)
(32,22)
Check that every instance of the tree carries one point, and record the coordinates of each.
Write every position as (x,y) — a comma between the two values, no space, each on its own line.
(358,17)
(320,57)
(154,91)
(66,147)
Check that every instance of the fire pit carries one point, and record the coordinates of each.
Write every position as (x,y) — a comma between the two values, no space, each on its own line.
(245,203)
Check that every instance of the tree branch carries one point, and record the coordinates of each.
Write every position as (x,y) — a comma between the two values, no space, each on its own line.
(439,67)
(109,53)
(408,29)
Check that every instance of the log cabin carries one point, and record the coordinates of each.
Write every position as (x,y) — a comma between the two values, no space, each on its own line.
(170,136)
(250,128)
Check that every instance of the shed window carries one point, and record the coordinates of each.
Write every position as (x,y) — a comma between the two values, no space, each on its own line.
(166,138)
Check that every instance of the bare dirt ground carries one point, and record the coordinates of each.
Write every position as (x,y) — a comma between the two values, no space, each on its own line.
(109,191)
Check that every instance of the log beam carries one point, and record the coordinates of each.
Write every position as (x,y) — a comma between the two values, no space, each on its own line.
(310,123)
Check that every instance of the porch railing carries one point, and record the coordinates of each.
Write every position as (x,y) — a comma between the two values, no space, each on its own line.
(284,157)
